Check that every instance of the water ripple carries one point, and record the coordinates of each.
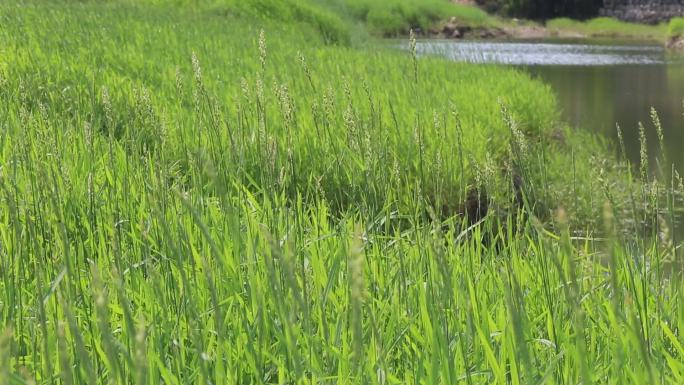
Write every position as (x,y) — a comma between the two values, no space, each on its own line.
(526,53)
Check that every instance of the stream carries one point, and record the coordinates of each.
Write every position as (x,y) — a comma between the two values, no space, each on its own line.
(597,83)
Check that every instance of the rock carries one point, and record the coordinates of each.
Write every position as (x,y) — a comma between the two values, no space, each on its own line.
(489,33)
(449,29)
(676,43)
(452,30)
(485,34)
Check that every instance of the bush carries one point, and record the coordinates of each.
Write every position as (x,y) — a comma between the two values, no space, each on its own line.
(676,27)
(607,26)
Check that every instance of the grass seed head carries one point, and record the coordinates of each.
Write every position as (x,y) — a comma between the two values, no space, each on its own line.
(621,140)
(413,46)
(659,128)
(179,82)
(262,49)
(643,153)
(196,69)
(108,110)
(244,87)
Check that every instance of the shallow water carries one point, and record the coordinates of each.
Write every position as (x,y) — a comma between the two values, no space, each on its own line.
(598,83)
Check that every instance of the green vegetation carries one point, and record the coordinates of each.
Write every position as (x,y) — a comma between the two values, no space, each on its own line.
(676,27)
(313,14)
(606,26)
(396,17)
(329,25)
(189,200)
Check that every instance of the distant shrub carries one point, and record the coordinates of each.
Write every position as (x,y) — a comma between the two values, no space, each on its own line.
(561,23)
(607,26)
(676,27)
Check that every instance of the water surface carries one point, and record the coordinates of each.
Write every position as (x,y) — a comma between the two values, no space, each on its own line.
(599,84)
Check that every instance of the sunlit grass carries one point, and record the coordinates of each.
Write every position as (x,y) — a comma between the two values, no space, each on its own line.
(676,27)
(396,17)
(609,27)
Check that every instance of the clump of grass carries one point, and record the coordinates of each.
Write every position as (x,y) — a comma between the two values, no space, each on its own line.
(676,27)
(397,17)
(608,27)
(331,27)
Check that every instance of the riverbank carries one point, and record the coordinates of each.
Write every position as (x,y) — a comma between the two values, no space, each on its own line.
(676,43)
(675,33)
(556,28)
(344,21)
(466,21)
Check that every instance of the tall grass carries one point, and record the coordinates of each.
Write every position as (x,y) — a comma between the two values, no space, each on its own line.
(183,203)
(397,17)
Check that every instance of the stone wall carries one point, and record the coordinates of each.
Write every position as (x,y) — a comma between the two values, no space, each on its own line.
(643,11)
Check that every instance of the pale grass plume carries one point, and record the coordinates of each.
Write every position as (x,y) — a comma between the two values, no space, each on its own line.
(655,119)
(108,110)
(329,103)
(286,105)
(519,145)
(621,140)
(262,50)
(199,87)
(643,153)
(179,81)
(349,117)
(680,181)
(244,87)
(260,88)
(196,68)
(413,46)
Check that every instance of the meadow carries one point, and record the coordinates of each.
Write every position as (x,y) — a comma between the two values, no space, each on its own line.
(252,192)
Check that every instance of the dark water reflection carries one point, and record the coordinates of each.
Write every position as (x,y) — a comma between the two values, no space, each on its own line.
(598,84)
(598,97)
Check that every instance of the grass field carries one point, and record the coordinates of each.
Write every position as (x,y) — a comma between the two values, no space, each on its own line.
(227,192)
